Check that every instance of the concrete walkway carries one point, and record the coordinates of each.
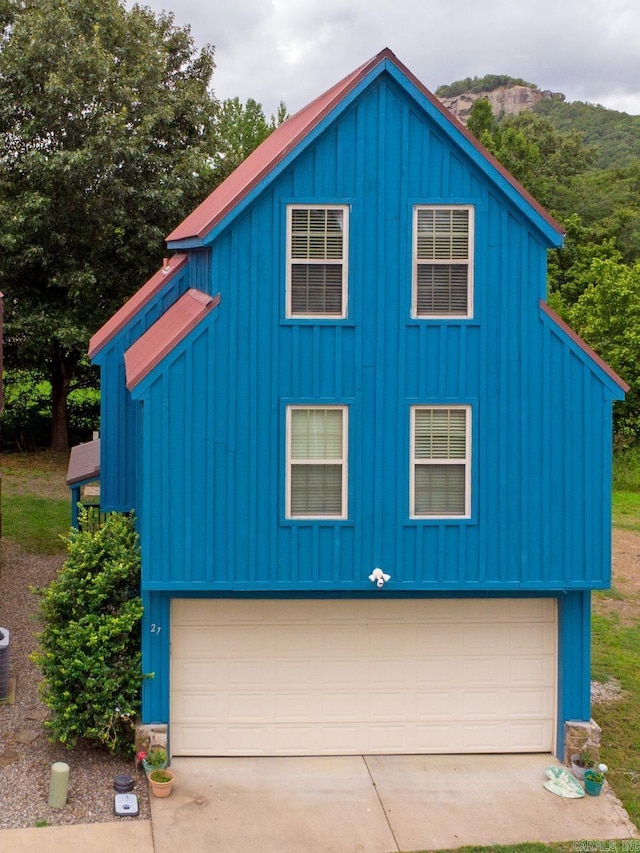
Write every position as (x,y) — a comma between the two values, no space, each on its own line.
(376,804)
(128,835)
(372,804)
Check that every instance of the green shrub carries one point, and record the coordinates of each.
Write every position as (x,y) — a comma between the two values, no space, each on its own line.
(89,650)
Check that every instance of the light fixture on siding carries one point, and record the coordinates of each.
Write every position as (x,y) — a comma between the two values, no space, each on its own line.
(379,578)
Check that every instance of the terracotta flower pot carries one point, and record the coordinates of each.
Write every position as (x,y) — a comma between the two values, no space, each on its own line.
(161,782)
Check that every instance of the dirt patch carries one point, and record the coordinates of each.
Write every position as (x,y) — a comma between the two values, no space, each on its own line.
(35,474)
(623,598)
(609,692)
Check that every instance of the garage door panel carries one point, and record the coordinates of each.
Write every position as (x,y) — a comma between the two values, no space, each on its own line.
(531,671)
(200,642)
(483,671)
(434,672)
(201,707)
(192,674)
(251,673)
(252,677)
(434,706)
(435,637)
(342,707)
(529,703)
(530,639)
(339,673)
(389,672)
(483,639)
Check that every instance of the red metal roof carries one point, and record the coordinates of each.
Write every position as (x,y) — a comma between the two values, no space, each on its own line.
(84,462)
(593,355)
(276,146)
(133,305)
(160,338)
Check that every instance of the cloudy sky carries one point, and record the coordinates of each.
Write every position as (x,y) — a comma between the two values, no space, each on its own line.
(292,50)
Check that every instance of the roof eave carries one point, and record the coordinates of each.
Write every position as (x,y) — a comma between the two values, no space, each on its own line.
(197,228)
(617,385)
(132,306)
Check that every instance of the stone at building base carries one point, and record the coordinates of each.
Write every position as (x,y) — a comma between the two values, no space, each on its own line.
(579,734)
(149,737)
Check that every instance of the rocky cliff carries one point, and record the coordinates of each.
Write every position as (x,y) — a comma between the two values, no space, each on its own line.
(509,100)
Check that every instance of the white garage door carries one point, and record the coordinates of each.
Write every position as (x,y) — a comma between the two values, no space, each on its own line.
(337,677)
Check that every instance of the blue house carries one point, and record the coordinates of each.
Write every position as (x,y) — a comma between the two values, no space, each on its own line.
(371,467)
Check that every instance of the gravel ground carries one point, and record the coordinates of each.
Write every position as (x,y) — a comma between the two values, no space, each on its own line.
(25,766)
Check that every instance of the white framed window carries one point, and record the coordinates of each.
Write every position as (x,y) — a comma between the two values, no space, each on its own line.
(442,261)
(440,462)
(317,442)
(317,260)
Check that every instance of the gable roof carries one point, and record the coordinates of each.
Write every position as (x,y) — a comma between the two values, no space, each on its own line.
(84,462)
(139,299)
(160,338)
(561,328)
(290,133)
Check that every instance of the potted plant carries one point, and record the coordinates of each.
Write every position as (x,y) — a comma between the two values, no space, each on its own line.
(161,782)
(581,761)
(593,782)
(154,760)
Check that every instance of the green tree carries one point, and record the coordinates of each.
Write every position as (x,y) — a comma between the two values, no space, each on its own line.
(542,158)
(240,128)
(481,118)
(106,130)
(606,316)
(569,268)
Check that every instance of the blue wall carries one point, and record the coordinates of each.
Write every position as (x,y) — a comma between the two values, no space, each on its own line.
(119,414)
(213,465)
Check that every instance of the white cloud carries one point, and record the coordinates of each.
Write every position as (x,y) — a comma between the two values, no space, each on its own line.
(292,50)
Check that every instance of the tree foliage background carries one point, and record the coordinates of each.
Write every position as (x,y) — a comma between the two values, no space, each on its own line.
(594,281)
(108,131)
(110,134)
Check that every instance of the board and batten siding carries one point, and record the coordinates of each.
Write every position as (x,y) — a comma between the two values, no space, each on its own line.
(213,469)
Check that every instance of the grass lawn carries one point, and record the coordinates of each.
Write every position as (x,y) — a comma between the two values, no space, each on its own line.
(36,510)
(36,503)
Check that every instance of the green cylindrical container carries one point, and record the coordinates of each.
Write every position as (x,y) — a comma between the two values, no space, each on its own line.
(593,783)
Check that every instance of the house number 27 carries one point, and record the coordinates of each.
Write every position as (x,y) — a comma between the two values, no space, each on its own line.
(155,629)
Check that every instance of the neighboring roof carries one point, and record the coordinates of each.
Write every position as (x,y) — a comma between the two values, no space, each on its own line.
(84,463)
(291,132)
(610,372)
(137,301)
(160,338)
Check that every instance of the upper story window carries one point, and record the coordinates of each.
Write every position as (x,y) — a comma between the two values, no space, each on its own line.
(317,461)
(317,246)
(442,261)
(440,461)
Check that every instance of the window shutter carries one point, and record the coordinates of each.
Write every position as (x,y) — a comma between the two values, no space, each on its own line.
(316,490)
(440,433)
(317,261)
(316,434)
(440,461)
(440,490)
(442,289)
(317,462)
(443,261)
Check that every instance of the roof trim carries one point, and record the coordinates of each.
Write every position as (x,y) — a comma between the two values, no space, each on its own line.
(252,171)
(84,463)
(166,333)
(131,307)
(586,349)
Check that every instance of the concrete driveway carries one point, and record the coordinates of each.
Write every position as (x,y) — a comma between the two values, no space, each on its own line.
(374,804)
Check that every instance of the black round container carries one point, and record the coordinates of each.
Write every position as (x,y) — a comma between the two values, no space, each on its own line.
(122,783)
